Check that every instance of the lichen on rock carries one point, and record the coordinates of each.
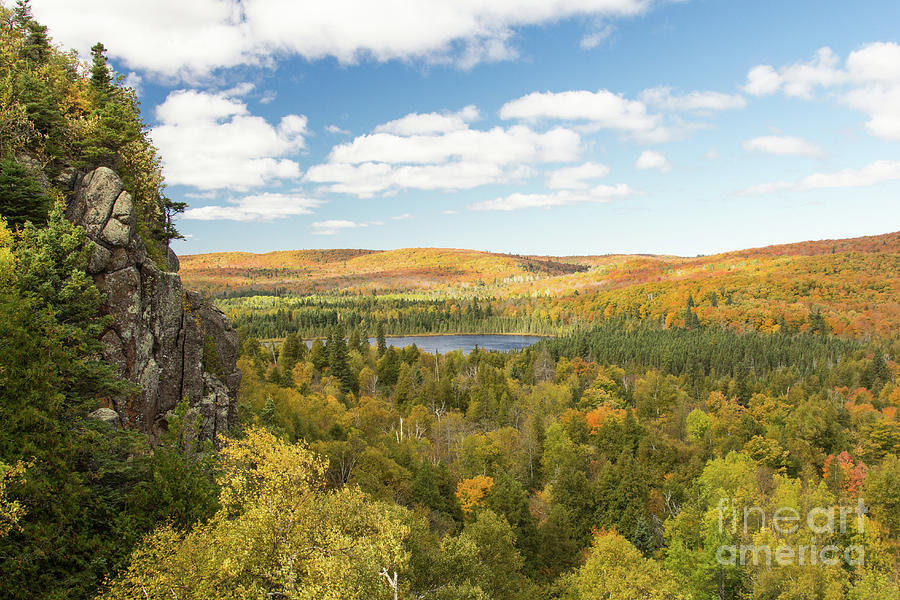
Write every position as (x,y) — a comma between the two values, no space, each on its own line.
(159,329)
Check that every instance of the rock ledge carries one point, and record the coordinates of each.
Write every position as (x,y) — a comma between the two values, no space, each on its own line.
(159,329)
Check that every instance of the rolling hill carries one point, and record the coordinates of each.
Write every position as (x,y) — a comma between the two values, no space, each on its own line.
(317,271)
(853,285)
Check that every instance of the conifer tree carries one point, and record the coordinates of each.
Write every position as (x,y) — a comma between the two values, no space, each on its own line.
(101,79)
(21,197)
(382,345)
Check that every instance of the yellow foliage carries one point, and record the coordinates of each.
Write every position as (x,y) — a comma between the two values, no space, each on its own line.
(472,492)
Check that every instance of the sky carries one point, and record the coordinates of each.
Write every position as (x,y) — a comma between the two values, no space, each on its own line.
(553,127)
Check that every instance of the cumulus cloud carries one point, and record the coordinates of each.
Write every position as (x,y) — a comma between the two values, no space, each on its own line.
(368,179)
(427,123)
(798,79)
(576,178)
(783,145)
(518,201)
(336,130)
(652,160)
(603,109)
(175,38)
(135,82)
(498,146)
(875,173)
(762,80)
(334,226)
(260,207)
(664,98)
(440,151)
(211,141)
(868,81)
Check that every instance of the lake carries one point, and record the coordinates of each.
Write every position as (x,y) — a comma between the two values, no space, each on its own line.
(466,343)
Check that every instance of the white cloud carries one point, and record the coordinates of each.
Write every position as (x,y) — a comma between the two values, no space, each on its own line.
(336,130)
(575,178)
(427,123)
(878,63)
(882,104)
(602,108)
(498,146)
(652,160)
(333,226)
(799,79)
(368,179)
(211,141)
(268,96)
(440,151)
(134,81)
(869,82)
(872,174)
(403,217)
(517,201)
(663,97)
(762,80)
(260,207)
(174,38)
(712,155)
(592,40)
(783,145)
(449,211)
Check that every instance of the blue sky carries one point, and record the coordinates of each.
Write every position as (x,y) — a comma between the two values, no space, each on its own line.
(548,127)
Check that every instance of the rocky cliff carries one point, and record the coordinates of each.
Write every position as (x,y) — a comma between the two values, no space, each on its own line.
(166,339)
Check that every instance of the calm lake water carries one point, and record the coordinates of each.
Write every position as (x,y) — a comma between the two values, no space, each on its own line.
(466,343)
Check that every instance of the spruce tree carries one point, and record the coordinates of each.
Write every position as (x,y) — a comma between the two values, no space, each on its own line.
(382,344)
(101,79)
(21,197)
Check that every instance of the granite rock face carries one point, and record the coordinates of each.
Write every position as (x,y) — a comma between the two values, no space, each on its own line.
(164,338)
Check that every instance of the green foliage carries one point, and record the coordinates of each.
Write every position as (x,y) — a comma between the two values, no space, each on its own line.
(181,488)
(210,358)
(101,80)
(21,197)
(615,570)
(11,511)
(278,533)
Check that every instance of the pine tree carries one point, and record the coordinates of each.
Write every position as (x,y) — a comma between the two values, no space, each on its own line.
(21,197)
(101,79)
(290,351)
(355,343)
(382,345)
(22,15)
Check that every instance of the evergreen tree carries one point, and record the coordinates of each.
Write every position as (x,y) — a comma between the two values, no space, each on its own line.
(101,79)
(21,197)
(290,351)
(22,15)
(382,345)
(354,343)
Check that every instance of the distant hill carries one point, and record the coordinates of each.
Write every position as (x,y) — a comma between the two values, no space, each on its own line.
(312,271)
(408,269)
(850,285)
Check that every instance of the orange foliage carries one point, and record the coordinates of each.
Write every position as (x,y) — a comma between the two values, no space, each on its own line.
(597,417)
(472,492)
(854,284)
(843,474)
